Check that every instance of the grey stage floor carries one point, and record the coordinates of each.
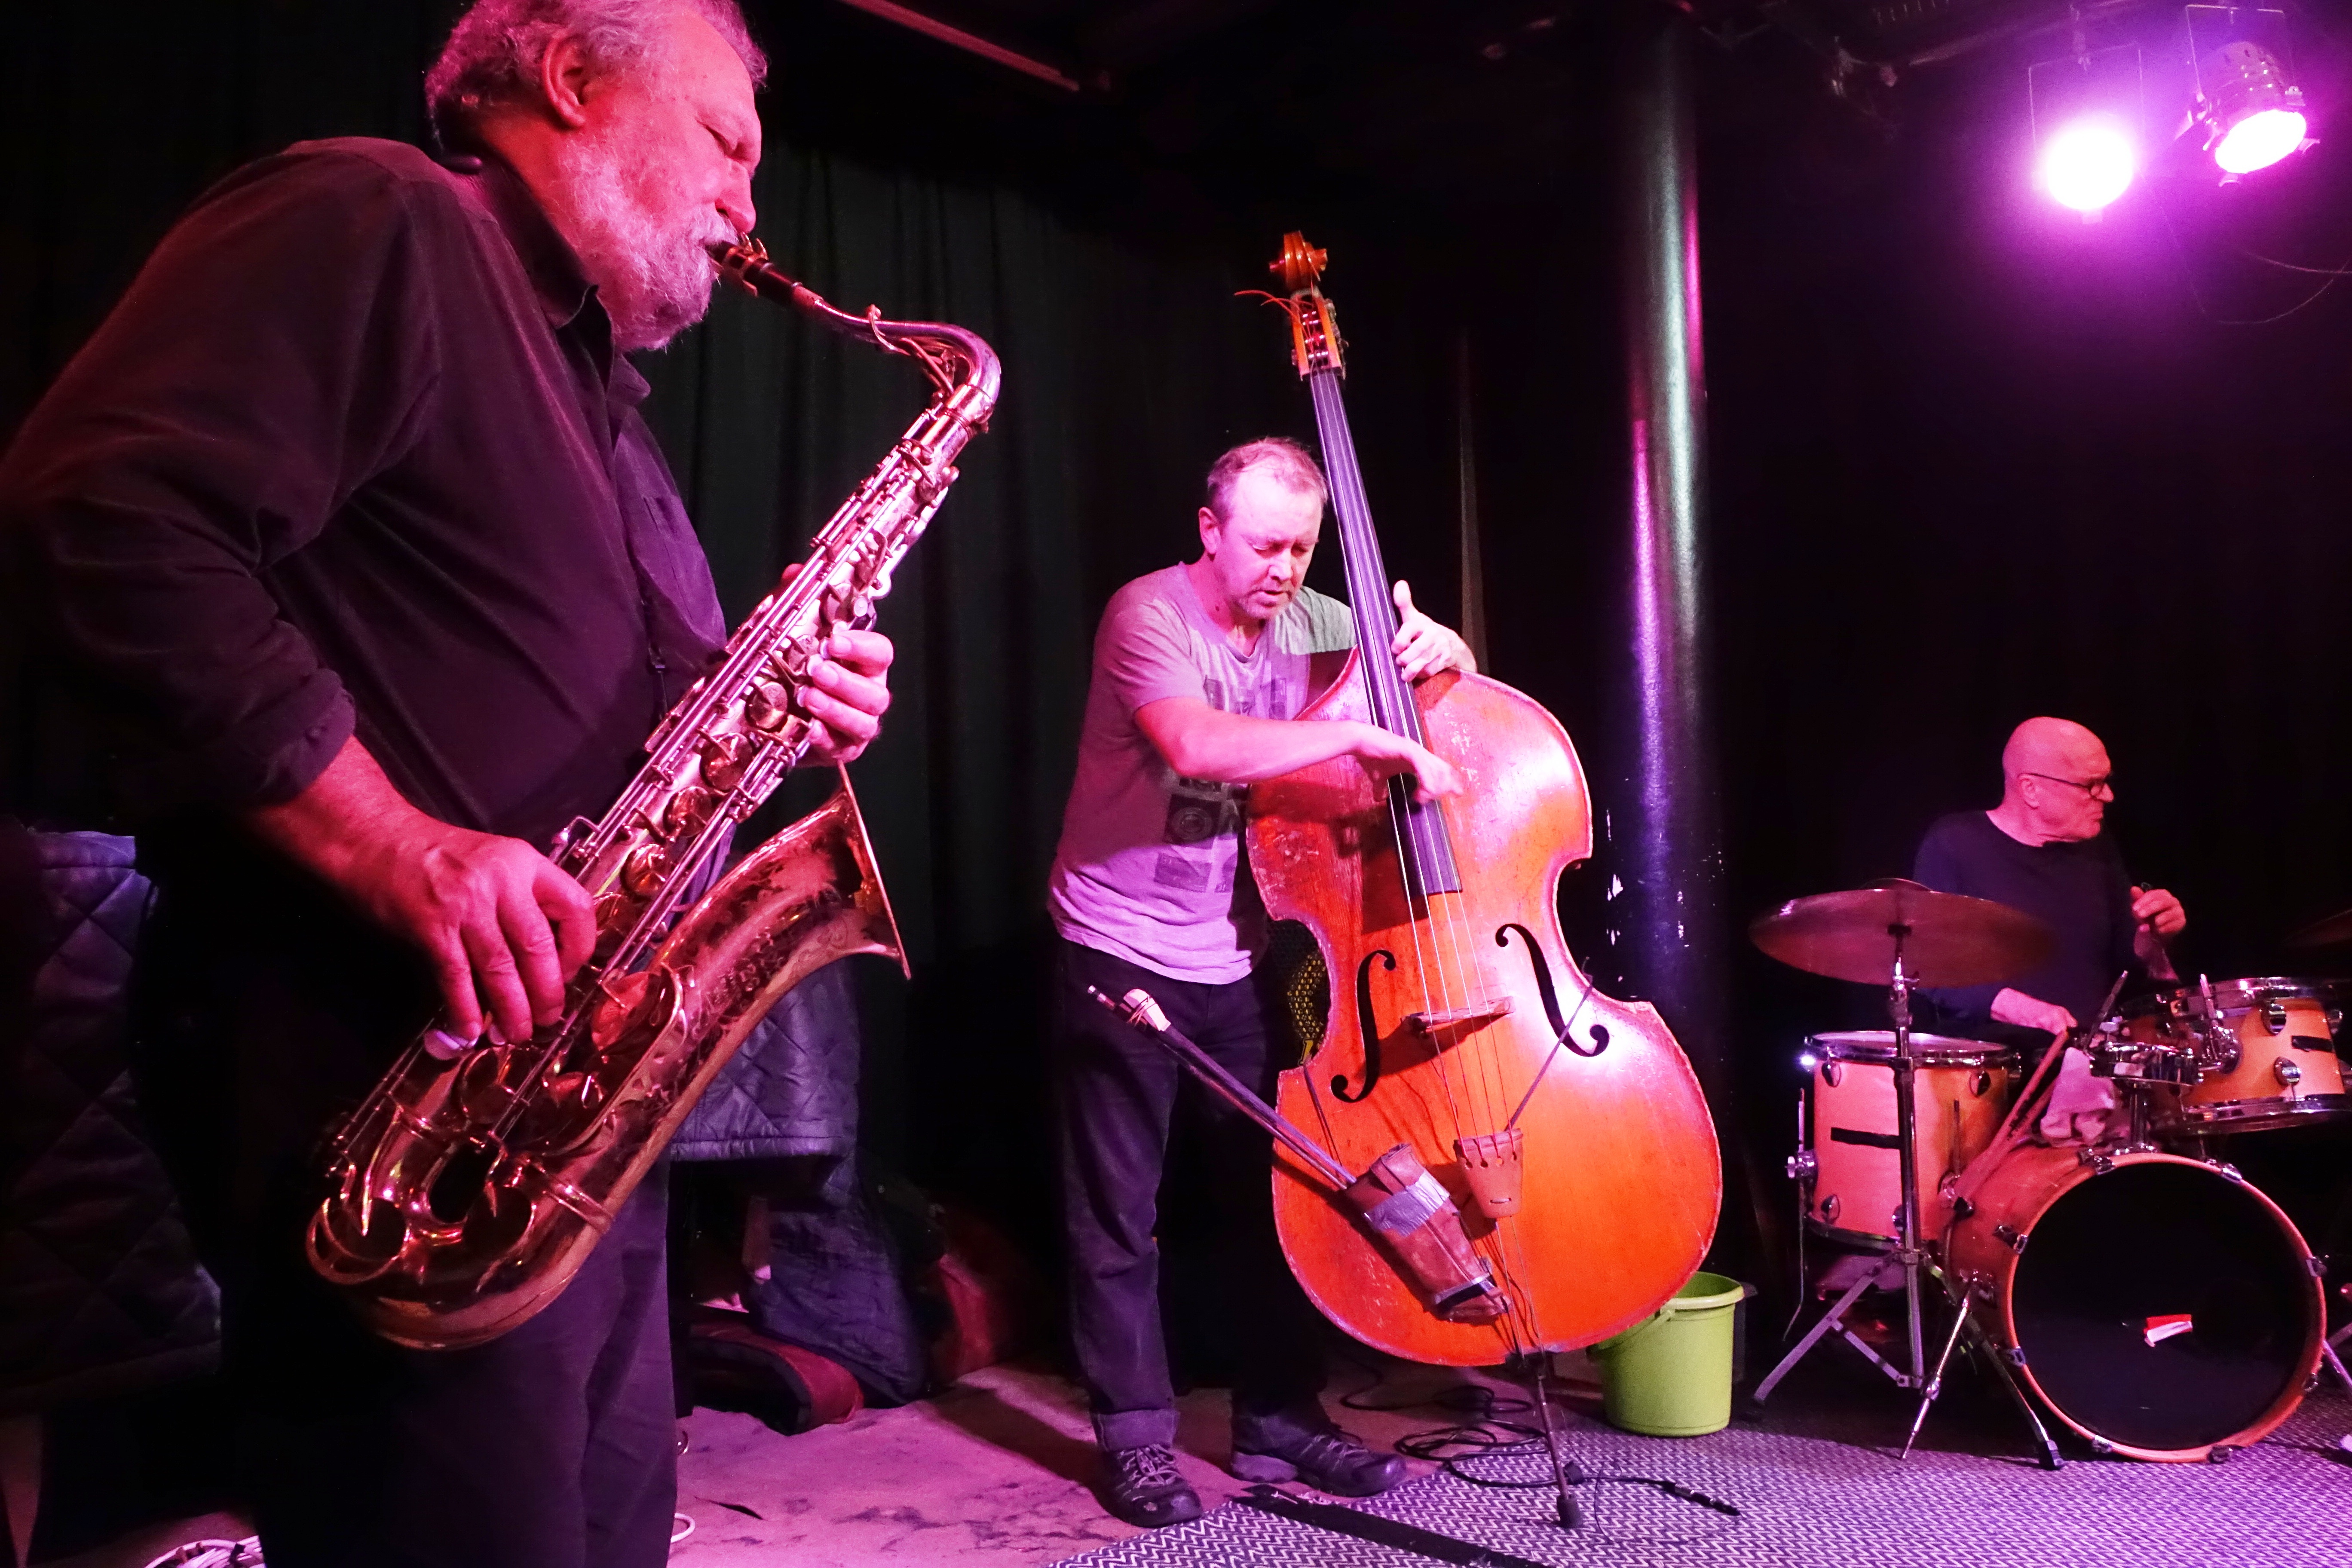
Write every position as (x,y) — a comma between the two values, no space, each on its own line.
(1817,1487)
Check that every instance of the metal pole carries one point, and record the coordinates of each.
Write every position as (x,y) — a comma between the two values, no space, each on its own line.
(1663,831)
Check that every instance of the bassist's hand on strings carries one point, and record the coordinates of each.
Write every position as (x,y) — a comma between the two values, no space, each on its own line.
(1423,647)
(1381,754)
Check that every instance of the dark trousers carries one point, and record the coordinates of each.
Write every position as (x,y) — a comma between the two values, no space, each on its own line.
(1116,1095)
(553,1446)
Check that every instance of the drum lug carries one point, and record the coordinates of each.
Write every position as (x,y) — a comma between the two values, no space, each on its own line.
(2101,1448)
(1833,1073)
(2015,1356)
(1962,1208)
(2099,1160)
(2317,1264)
(2287,1073)
(1829,1206)
(2275,1015)
(2220,1454)
(2230,1170)
(2011,1237)
(1803,1166)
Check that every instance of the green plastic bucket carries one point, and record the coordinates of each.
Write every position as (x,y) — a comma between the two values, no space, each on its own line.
(1670,1376)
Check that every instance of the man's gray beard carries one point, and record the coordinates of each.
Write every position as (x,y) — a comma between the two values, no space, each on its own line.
(653,273)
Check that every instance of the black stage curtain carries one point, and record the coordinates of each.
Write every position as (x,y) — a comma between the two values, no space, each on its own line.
(1125,372)
(1971,462)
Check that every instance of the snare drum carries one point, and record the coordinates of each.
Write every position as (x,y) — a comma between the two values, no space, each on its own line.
(2267,1060)
(1960,1089)
(2165,1309)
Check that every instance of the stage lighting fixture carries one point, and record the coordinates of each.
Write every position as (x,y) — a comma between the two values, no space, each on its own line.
(2088,163)
(2252,115)
(2090,125)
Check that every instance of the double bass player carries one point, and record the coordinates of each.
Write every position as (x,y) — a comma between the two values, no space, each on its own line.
(1198,671)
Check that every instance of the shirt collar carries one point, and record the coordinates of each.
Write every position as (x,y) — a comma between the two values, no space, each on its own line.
(548,259)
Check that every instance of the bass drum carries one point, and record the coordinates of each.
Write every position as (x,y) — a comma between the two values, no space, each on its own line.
(2158,1305)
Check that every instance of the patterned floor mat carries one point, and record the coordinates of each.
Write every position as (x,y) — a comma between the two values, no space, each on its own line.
(1810,1501)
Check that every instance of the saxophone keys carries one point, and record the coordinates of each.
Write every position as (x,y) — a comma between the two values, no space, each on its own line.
(688,810)
(724,758)
(769,706)
(642,871)
(619,1000)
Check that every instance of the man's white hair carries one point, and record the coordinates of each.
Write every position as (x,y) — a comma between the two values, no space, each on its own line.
(494,53)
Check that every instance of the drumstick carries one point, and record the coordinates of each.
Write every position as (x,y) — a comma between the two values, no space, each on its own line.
(2012,1127)
(2160,967)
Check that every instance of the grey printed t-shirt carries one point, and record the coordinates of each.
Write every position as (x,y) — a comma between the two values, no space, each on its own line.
(1150,863)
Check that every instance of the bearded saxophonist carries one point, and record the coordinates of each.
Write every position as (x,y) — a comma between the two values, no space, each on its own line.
(341,564)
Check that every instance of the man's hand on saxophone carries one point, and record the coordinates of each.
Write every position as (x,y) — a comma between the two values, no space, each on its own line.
(851,693)
(503,926)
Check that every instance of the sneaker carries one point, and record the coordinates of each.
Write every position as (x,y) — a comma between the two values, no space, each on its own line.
(1329,1462)
(1143,1487)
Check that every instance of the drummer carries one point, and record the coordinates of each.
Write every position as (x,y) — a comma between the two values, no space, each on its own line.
(2041,850)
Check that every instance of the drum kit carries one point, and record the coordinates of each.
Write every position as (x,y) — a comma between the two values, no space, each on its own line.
(2164,1308)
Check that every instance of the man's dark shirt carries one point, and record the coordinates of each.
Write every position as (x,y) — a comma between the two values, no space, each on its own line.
(355,453)
(2079,891)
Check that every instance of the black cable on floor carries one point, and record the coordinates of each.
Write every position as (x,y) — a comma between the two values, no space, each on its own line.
(1534,1448)
(1487,1434)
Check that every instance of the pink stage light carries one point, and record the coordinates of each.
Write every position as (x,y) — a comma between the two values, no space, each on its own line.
(2259,141)
(2252,114)
(2088,163)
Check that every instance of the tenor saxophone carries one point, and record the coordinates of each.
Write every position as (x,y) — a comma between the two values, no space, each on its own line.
(468,1187)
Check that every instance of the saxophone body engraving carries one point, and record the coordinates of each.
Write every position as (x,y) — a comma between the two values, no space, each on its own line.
(464,1193)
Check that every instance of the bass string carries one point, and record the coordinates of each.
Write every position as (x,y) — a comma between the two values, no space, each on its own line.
(1450,936)
(1422,836)
(1392,705)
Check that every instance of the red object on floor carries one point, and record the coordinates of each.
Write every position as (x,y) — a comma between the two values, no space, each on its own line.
(991,1295)
(832,1395)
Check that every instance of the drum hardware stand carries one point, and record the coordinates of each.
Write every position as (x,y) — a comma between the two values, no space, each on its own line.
(1988,1355)
(1959,941)
(1911,1261)
(1907,1256)
(2327,1351)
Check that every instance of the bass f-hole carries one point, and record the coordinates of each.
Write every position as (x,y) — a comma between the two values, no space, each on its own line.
(1598,1033)
(1368,1028)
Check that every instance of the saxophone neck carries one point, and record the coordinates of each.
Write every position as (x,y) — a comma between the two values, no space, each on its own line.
(960,362)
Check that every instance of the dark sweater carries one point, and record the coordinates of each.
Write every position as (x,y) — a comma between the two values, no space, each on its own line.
(2079,891)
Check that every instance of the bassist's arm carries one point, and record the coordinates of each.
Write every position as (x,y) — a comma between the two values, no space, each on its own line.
(1202,742)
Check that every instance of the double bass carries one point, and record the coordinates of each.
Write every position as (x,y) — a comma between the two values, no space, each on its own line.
(1567,1126)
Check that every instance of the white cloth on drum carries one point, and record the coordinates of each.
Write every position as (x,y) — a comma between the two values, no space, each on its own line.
(2082,1107)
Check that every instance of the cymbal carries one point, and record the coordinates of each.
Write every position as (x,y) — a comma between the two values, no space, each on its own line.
(2333,931)
(1948,939)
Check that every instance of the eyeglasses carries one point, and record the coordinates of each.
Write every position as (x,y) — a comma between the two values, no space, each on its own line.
(2092,787)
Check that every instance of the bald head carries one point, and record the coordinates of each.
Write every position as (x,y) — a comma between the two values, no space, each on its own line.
(2052,745)
(2054,783)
